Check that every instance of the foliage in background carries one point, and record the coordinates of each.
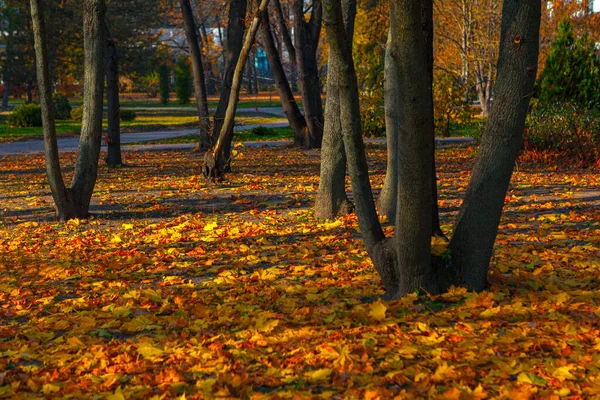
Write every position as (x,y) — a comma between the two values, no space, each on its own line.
(572,70)
(448,102)
(62,107)
(77,114)
(183,80)
(164,84)
(370,38)
(564,133)
(25,115)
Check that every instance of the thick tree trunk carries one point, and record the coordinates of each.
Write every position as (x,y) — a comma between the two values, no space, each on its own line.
(475,233)
(217,159)
(74,202)
(113,157)
(235,41)
(288,103)
(332,200)
(191,33)
(306,36)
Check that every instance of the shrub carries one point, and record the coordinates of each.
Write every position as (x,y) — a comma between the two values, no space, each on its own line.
(62,107)
(77,114)
(127,115)
(150,83)
(449,105)
(563,132)
(25,115)
(183,80)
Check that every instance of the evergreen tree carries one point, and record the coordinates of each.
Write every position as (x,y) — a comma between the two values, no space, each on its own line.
(183,80)
(572,70)
(164,76)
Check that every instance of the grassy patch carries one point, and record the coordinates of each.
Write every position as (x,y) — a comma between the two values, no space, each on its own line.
(270,134)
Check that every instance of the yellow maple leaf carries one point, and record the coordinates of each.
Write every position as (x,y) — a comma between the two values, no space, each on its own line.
(149,351)
(563,373)
(210,226)
(439,246)
(117,395)
(377,311)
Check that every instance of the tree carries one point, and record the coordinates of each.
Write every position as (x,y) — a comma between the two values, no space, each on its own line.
(288,103)
(113,158)
(73,202)
(572,69)
(191,32)
(183,80)
(216,159)
(331,198)
(306,42)
(405,262)
(164,85)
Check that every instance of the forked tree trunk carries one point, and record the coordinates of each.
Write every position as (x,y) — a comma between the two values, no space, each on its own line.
(191,33)
(477,225)
(73,202)
(402,261)
(306,36)
(231,54)
(332,200)
(288,103)
(113,157)
(216,160)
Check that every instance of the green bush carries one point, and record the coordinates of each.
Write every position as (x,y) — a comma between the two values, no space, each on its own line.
(62,107)
(183,80)
(449,105)
(566,132)
(127,115)
(77,114)
(25,115)
(150,83)
(164,86)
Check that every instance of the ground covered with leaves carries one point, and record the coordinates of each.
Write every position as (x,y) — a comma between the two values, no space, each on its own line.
(179,288)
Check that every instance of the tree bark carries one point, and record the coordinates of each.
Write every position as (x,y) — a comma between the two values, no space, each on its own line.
(113,157)
(477,226)
(74,202)
(332,200)
(306,36)
(288,103)
(235,41)
(191,33)
(217,159)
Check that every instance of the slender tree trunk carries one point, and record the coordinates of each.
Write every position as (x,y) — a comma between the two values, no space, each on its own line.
(235,41)
(249,80)
(74,202)
(28,92)
(306,35)
(113,157)
(255,76)
(6,93)
(191,33)
(477,226)
(211,88)
(216,160)
(331,198)
(288,103)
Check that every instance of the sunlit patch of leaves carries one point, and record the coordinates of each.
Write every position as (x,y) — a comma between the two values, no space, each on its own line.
(177,287)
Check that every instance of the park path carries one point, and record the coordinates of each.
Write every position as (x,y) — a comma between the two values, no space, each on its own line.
(70,144)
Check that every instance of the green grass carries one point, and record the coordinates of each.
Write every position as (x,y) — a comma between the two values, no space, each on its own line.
(466,129)
(272,134)
(145,121)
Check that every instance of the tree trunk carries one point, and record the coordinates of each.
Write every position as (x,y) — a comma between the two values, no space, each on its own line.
(28,92)
(74,202)
(211,88)
(332,200)
(477,226)
(113,157)
(288,103)
(306,35)
(5,94)
(249,80)
(235,41)
(191,33)
(255,76)
(216,160)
